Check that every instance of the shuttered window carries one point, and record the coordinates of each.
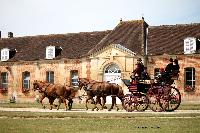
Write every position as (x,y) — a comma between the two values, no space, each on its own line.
(189,79)
(26,80)
(74,78)
(4,54)
(50,77)
(4,80)
(50,52)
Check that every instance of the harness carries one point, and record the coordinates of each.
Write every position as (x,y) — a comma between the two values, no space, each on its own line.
(45,87)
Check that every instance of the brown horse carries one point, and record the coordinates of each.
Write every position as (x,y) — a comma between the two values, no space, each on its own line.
(101,89)
(53,91)
(83,82)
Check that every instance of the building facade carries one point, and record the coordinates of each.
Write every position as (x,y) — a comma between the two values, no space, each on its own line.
(104,56)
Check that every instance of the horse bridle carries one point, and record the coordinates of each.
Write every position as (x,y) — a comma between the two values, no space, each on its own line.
(46,87)
(85,85)
(40,90)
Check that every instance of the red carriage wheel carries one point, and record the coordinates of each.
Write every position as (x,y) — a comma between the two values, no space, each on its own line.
(171,100)
(129,105)
(142,103)
(154,95)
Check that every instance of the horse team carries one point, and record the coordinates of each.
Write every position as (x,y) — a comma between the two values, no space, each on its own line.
(91,88)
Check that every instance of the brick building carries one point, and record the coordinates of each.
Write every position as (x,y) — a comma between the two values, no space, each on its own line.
(104,56)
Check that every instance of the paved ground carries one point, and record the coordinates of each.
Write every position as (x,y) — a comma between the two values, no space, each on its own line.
(100,111)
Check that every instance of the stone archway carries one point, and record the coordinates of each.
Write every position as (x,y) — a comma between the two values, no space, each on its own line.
(112,74)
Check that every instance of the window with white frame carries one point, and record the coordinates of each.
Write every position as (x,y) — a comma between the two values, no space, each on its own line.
(26,80)
(50,52)
(5,54)
(189,79)
(50,77)
(4,80)
(74,78)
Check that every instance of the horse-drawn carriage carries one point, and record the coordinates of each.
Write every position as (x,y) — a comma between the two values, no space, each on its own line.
(158,95)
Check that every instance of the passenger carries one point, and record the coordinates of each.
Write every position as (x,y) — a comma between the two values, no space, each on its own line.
(160,75)
(169,68)
(176,66)
(162,71)
(145,75)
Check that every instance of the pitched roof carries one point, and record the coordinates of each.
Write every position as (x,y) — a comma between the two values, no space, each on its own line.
(74,45)
(169,39)
(129,34)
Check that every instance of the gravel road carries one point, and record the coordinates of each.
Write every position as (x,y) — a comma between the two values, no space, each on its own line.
(100,111)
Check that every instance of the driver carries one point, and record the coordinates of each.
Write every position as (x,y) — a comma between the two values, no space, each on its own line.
(169,68)
(138,70)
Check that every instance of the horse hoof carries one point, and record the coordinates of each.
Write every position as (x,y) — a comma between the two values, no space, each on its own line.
(70,108)
(117,109)
(109,109)
(92,109)
(44,107)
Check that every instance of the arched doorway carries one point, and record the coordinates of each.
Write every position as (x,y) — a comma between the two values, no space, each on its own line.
(112,73)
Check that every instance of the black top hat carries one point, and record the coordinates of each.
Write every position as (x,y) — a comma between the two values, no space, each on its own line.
(171,60)
(139,59)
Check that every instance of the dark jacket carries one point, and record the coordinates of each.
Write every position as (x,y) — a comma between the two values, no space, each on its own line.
(145,76)
(169,68)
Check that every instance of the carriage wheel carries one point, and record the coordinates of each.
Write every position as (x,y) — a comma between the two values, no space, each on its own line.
(142,103)
(172,101)
(128,104)
(153,96)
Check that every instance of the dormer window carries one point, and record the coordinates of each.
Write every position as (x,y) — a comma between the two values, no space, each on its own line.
(190,46)
(52,51)
(5,54)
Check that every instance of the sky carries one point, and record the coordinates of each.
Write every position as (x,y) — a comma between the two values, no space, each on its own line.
(43,17)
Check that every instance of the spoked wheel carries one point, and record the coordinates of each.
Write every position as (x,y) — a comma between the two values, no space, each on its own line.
(172,100)
(128,104)
(142,103)
(154,95)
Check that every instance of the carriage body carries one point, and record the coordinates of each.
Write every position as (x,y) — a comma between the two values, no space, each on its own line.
(155,94)
(141,86)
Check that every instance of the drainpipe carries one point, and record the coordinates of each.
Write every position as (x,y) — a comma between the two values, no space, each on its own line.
(145,55)
(145,33)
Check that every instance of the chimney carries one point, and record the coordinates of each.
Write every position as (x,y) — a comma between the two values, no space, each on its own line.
(10,35)
(120,20)
(143,18)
